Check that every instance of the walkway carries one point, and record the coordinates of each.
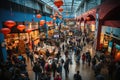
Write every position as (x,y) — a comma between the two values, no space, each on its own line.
(85,71)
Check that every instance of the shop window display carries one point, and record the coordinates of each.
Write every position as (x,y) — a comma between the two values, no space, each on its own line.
(110,46)
(117,52)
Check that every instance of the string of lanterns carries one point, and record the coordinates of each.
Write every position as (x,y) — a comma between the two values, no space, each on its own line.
(21,27)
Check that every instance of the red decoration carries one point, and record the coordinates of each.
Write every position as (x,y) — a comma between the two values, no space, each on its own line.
(50,23)
(10,23)
(29,30)
(54,18)
(21,27)
(38,16)
(88,18)
(12,35)
(60,9)
(42,22)
(58,3)
(5,30)
(117,57)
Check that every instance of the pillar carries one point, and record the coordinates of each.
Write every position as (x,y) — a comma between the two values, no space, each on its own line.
(99,34)
(3,49)
(85,6)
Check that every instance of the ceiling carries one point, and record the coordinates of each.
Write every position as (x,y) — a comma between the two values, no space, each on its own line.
(69,7)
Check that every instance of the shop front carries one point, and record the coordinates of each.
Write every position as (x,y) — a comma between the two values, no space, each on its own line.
(117,52)
(110,41)
(22,34)
(107,14)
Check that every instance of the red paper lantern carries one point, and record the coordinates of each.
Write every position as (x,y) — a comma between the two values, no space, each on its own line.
(38,16)
(10,23)
(42,22)
(88,18)
(117,57)
(5,30)
(50,23)
(21,27)
(54,18)
(29,30)
(60,9)
(58,3)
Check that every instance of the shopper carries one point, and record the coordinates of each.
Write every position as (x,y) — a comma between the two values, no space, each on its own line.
(54,68)
(100,77)
(31,58)
(77,76)
(37,69)
(83,58)
(66,67)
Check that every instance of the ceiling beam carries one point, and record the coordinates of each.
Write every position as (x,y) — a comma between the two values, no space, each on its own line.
(65,4)
(69,5)
(72,5)
(67,11)
(82,1)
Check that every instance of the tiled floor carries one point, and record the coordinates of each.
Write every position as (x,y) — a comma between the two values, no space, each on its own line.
(85,71)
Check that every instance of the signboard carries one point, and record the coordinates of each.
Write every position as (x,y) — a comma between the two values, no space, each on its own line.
(56,36)
(31,25)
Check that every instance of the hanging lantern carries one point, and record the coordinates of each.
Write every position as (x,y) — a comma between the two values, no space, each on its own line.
(60,9)
(10,23)
(38,16)
(87,18)
(117,57)
(42,22)
(5,30)
(54,18)
(58,3)
(29,30)
(21,27)
(50,23)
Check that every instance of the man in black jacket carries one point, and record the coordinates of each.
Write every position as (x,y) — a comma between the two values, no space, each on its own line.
(77,76)
(37,69)
(66,67)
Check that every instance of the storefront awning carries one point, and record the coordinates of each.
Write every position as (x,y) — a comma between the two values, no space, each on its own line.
(107,7)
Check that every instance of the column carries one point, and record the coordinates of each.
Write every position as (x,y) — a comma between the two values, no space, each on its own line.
(99,35)
(3,49)
(85,6)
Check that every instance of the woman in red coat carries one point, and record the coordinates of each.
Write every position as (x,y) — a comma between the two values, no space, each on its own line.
(83,58)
